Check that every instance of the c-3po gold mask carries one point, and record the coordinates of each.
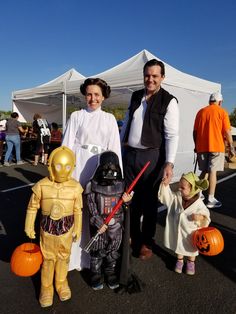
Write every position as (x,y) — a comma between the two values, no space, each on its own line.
(61,164)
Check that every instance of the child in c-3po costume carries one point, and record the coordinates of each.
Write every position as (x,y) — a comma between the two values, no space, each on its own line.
(60,200)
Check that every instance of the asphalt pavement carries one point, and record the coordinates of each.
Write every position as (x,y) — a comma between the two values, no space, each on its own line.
(211,290)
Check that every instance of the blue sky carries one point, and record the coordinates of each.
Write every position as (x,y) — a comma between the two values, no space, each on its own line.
(43,39)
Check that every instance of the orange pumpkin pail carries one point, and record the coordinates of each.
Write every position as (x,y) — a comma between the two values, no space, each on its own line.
(26,260)
(209,241)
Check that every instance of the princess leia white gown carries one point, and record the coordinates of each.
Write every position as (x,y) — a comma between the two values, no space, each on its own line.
(88,134)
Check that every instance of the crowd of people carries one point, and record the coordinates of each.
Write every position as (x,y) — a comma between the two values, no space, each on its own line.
(106,161)
(40,139)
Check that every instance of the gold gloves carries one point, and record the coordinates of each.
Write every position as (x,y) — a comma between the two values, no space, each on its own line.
(77,226)
(29,224)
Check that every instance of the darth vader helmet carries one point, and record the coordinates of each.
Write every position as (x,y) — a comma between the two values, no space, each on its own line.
(109,168)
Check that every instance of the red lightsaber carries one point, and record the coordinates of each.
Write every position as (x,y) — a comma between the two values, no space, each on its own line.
(115,209)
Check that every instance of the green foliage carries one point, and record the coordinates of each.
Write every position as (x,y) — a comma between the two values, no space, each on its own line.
(232,118)
(5,114)
(118,112)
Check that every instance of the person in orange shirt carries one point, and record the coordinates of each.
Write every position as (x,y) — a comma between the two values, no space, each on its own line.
(211,130)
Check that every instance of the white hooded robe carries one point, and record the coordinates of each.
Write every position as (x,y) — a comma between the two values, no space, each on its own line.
(179,224)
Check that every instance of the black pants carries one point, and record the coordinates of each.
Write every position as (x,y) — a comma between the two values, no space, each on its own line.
(145,199)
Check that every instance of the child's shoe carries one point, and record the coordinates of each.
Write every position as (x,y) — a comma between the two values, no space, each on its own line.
(190,268)
(113,285)
(179,266)
(112,282)
(98,286)
(96,281)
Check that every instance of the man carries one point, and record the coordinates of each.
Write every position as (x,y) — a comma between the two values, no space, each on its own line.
(211,130)
(150,132)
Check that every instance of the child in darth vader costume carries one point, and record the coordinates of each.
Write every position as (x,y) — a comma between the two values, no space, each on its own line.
(103,192)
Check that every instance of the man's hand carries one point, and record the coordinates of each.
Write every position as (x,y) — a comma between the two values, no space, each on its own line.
(167,173)
(231,151)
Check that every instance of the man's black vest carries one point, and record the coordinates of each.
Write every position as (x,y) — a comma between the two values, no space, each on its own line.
(153,125)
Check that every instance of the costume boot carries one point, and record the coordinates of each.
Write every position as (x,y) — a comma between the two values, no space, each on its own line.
(46,293)
(110,270)
(96,273)
(61,282)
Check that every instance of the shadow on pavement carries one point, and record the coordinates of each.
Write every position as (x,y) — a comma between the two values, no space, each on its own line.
(225,261)
(13,206)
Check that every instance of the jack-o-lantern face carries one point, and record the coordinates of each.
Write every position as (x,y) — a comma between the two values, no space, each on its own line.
(202,243)
(209,241)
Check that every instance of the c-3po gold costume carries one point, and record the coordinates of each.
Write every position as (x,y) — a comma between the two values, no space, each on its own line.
(60,200)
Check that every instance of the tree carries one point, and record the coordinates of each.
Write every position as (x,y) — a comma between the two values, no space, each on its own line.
(232,118)
(5,114)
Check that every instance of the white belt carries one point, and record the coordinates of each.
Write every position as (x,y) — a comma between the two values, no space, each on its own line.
(93,149)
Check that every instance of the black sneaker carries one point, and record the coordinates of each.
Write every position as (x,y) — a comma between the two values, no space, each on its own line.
(98,286)
(112,282)
(113,286)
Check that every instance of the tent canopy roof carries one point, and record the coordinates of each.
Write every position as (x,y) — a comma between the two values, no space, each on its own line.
(129,74)
(123,78)
(53,87)
(71,75)
(233,130)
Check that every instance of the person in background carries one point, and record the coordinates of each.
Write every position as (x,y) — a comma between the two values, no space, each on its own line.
(89,132)
(13,128)
(120,124)
(56,136)
(30,133)
(149,133)
(42,131)
(186,212)
(2,136)
(211,130)
(25,128)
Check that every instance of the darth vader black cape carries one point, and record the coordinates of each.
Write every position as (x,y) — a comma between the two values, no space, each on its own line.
(129,281)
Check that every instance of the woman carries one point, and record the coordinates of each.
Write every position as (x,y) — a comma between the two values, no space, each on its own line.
(42,132)
(90,132)
(13,128)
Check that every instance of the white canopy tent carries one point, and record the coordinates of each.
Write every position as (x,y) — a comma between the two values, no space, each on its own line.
(233,131)
(192,94)
(49,99)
